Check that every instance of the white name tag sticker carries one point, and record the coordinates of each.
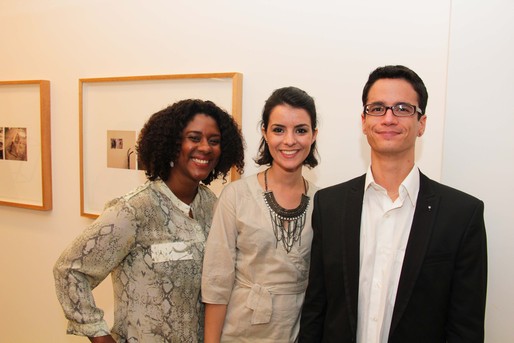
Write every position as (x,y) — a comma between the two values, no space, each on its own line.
(172,251)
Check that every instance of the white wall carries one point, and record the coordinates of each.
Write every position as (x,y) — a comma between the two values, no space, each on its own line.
(327,48)
(479,142)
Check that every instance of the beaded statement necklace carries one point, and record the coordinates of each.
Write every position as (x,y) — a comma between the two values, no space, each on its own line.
(287,224)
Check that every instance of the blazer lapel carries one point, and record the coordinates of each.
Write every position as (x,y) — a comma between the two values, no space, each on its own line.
(419,237)
(351,222)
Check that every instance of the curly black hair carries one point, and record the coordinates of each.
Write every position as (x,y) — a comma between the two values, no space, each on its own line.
(160,139)
(294,97)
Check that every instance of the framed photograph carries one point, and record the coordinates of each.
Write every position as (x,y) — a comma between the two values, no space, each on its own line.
(25,152)
(113,110)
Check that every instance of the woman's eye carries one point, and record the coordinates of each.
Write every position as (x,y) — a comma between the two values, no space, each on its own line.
(277,130)
(302,130)
(195,139)
(214,141)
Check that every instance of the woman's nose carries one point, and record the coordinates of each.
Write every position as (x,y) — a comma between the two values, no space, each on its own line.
(289,138)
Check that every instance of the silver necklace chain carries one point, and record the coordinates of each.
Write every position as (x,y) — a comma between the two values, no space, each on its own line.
(287,224)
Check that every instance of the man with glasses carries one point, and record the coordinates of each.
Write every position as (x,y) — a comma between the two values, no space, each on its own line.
(396,257)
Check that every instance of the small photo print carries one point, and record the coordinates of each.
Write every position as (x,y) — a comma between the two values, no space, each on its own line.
(15,143)
(116,143)
(121,149)
(1,143)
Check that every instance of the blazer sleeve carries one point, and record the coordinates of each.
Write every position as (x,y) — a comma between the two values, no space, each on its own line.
(314,307)
(469,287)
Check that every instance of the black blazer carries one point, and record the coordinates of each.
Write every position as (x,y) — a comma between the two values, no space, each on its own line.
(442,288)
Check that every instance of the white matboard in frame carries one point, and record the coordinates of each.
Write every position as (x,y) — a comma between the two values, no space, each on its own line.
(113,110)
(25,151)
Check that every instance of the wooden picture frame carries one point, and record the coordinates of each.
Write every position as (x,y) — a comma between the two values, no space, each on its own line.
(25,144)
(112,111)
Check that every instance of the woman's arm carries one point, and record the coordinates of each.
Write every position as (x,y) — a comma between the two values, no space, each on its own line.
(102,339)
(219,265)
(214,319)
(85,263)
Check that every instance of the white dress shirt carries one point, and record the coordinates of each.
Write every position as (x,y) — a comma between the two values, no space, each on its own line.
(385,229)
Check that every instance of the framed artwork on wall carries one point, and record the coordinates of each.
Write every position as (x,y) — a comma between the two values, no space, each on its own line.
(112,111)
(25,144)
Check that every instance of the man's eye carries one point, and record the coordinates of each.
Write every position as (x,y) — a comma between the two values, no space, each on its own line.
(376,109)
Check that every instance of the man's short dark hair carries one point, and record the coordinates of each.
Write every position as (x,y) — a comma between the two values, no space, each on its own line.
(398,72)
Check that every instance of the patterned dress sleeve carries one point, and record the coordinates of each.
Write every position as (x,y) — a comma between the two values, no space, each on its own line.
(87,261)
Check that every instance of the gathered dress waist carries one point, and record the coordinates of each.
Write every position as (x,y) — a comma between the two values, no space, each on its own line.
(259,299)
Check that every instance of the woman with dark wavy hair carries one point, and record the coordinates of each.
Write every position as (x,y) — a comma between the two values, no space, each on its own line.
(257,255)
(151,240)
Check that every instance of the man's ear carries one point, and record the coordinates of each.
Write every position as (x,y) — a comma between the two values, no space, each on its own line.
(422,125)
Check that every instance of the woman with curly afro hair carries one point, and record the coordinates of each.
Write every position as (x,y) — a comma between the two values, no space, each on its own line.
(151,240)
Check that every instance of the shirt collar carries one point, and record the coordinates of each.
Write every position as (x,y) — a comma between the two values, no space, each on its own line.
(409,186)
(182,206)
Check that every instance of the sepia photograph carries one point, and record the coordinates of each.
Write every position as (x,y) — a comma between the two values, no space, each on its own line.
(16,143)
(1,143)
(121,149)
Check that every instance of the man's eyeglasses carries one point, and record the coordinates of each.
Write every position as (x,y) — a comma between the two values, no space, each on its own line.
(399,110)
